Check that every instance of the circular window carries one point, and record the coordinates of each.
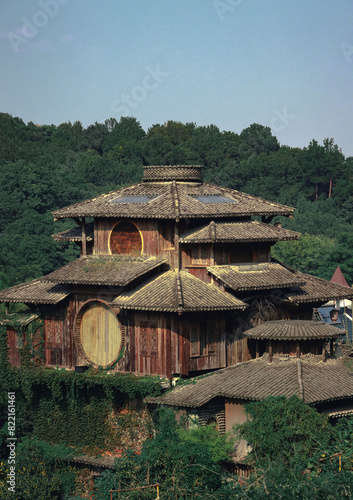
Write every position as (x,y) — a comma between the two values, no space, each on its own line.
(125,238)
(98,333)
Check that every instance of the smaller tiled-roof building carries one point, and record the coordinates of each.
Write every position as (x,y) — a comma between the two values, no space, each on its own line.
(172,271)
(297,360)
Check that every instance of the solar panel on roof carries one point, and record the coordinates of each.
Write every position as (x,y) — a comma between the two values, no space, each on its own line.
(214,199)
(133,199)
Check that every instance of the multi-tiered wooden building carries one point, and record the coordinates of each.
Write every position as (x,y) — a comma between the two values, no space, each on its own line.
(172,270)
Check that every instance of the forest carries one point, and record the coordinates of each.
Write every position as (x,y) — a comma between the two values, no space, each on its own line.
(45,167)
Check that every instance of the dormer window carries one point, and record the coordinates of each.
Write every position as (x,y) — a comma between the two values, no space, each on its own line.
(200,254)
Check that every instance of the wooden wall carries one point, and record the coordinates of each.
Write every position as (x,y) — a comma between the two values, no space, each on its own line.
(13,346)
(157,237)
(155,343)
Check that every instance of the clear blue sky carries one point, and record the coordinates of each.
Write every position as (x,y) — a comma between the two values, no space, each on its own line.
(282,63)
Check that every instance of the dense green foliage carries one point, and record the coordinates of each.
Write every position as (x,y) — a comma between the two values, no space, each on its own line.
(46,167)
(42,472)
(63,409)
(186,464)
(296,453)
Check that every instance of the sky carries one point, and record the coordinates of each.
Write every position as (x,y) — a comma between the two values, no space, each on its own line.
(281,63)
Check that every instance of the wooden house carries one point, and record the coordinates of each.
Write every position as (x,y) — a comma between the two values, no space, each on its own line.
(294,358)
(172,271)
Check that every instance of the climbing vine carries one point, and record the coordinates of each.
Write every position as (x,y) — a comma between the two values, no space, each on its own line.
(62,406)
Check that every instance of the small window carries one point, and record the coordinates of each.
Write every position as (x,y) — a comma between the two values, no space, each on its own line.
(148,339)
(241,254)
(203,341)
(53,340)
(200,254)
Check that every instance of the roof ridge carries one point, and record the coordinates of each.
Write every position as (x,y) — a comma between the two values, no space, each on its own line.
(179,292)
(212,229)
(176,200)
(300,379)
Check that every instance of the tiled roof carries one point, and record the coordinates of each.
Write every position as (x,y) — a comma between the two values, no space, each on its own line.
(35,292)
(22,319)
(173,200)
(104,270)
(258,379)
(175,291)
(316,290)
(106,462)
(293,330)
(260,276)
(338,278)
(240,232)
(341,411)
(74,234)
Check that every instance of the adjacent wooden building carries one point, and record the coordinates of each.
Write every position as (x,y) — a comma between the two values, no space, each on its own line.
(293,358)
(172,271)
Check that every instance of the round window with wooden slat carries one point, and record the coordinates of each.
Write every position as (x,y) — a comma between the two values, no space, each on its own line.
(98,333)
(125,238)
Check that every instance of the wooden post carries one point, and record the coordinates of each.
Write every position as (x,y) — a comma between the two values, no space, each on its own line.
(257,349)
(7,305)
(298,349)
(84,239)
(212,261)
(176,247)
(323,351)
(331,348)
(270,351)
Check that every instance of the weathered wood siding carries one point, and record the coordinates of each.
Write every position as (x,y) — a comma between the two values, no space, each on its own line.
(241,253)
(53,340)
(206,345)
(157,238)
(148,345)
(13,346)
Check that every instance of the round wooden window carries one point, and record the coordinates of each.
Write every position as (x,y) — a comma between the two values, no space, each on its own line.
(98,333)
(125,238)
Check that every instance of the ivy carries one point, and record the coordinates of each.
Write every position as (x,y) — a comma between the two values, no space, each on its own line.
(62,406)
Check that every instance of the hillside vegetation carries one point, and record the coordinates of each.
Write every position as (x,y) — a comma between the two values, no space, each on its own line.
(46,167)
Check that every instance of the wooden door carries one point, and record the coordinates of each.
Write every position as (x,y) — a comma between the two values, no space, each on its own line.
(100,334)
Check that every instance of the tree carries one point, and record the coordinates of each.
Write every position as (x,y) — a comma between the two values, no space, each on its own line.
(185,464)
(295,452)
(307,254)
(258,139)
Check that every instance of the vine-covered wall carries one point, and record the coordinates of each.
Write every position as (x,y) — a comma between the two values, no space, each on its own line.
(62,406)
